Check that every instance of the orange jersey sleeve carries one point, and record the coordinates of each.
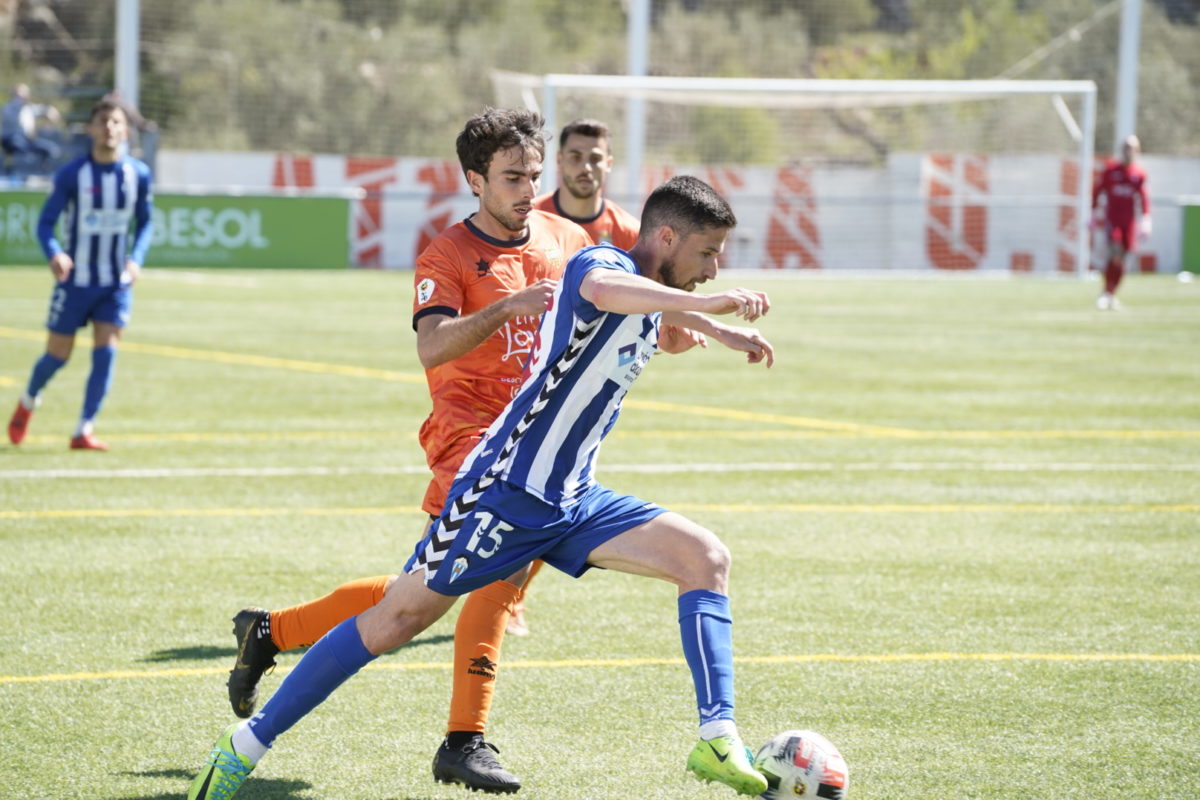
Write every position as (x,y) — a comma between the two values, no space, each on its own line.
(462,271)
(613,224)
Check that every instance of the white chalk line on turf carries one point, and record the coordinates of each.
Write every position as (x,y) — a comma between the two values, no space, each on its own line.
(653,469)
(609,663)
(729,508)
(200,278)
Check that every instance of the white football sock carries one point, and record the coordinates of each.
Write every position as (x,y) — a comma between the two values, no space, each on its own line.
(247,744)
(718,728)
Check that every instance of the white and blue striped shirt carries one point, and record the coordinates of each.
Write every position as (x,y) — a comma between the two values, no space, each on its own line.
(584,360)
(101,201)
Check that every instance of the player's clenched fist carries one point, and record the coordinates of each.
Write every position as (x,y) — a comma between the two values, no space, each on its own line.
(532,300)
(61,265)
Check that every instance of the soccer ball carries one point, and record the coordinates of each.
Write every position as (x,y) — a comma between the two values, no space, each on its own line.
(802,764)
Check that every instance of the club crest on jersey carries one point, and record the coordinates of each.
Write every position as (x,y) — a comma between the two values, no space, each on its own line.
(425,291)
(460,566)
(554,257)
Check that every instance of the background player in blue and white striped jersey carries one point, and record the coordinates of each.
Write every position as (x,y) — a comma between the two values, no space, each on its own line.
(527,490)
(102,194)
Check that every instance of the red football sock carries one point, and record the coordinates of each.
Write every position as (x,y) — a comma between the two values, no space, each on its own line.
(1113,274)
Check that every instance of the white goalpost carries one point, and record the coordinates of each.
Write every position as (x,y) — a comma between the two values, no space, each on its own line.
(853,174)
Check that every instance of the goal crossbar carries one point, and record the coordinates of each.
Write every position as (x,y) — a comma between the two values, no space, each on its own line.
(541,92)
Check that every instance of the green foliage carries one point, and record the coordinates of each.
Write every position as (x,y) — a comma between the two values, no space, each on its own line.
(397,77)
(728,136)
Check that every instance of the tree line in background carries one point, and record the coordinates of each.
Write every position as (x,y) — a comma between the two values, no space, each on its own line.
(398,77)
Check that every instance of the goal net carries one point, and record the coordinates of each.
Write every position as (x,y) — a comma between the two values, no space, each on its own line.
(849,174)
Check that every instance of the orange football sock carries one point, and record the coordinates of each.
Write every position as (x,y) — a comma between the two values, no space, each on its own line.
(477,638)
(300,626)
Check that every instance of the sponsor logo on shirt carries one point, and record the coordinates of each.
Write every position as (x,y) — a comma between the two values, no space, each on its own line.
(632,359)
(518,334)
(95,222)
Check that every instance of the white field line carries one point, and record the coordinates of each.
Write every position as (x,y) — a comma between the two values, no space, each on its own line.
(200,278)
(664,469)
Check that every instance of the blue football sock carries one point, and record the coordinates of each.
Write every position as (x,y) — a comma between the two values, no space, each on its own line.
(98,381)
(43,371)
(706,627)
(326,666)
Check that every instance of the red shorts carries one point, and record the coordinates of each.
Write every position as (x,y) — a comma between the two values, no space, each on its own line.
(1124,234)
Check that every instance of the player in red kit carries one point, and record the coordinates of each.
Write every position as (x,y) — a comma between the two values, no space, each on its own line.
(1121,184)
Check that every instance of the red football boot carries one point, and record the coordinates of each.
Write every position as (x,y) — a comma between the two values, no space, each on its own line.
(19,424)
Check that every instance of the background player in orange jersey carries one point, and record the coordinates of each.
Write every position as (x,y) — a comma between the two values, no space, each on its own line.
(584,163)
(1121,184)
(481,287)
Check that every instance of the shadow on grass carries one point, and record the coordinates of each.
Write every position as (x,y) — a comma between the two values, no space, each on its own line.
(196,653)
(265,789)
(210,653)
(255,788)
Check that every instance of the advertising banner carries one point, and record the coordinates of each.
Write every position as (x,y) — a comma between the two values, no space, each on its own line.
(18,227)
(250,231)
(211,230)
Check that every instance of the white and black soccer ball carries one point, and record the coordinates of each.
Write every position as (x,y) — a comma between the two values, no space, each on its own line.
(802,764)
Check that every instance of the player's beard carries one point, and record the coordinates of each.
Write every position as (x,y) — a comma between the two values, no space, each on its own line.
(578,193)
(666,271)
(508,218)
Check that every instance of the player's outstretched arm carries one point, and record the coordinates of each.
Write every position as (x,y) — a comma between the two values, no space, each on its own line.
(624,293)
(675,339)
(744,339)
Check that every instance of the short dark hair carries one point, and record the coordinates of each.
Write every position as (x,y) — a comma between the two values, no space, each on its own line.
(686,205)
(498,129)
(584,127)
(106,105)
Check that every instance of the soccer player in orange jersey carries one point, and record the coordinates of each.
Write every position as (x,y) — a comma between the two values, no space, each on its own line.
(481,287)
(1122,185)
(584,163)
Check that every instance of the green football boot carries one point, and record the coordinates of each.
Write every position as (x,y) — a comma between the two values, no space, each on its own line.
(224,773)
(726,760)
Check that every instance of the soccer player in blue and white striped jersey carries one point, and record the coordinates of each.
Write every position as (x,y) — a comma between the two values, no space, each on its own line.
(527,490)
(102,195)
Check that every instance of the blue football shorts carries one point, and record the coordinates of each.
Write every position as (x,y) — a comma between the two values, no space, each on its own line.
(506,528)
(72,306)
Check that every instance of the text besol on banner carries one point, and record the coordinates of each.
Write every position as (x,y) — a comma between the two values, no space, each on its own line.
(240,231)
